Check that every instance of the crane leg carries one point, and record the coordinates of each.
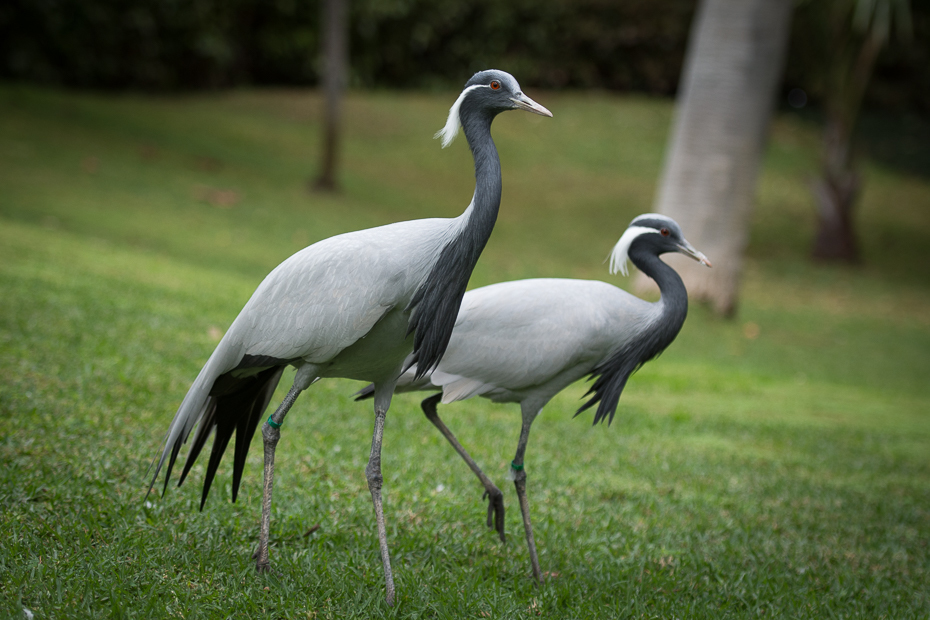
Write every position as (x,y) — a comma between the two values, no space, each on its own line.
(519,481)
(375,480)
(491,492)
(270,437)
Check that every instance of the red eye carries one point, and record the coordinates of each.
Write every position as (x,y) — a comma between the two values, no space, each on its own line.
(664,232)
(495,85)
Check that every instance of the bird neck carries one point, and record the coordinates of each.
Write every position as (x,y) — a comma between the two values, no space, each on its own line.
(651,339)
(674,296)
(482,214)
(435,305)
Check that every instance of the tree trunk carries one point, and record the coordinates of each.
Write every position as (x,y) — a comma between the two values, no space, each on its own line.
(335,58)
(836,192)
(837,188)
(732,67)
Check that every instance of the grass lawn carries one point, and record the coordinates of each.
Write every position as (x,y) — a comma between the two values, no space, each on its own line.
(772,466)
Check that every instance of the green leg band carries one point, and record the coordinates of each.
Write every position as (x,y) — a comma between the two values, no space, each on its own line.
(272,423)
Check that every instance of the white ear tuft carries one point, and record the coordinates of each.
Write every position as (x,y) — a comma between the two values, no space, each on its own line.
(621,251)
(454,122)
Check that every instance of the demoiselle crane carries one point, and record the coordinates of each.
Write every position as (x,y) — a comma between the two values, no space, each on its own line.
(355,306)
(525,341)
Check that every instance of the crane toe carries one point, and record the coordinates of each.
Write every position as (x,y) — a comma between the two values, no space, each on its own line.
(495,510)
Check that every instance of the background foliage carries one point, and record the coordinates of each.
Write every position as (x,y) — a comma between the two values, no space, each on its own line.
(902,73)
(636,45)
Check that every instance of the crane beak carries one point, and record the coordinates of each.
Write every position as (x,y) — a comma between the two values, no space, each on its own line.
(688,250)
(522,102)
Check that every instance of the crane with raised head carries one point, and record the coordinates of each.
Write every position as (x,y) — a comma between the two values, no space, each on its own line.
(356,306)
(525,341)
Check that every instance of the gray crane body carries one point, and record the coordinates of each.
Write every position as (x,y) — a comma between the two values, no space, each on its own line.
(355,305)
(526,341)
(342,301)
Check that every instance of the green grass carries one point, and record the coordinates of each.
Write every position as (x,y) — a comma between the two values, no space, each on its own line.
(772,466)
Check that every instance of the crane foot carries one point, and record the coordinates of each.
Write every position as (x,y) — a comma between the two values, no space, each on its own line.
(495,511)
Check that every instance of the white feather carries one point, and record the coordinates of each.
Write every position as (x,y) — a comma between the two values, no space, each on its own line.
(454,122)
(621,251)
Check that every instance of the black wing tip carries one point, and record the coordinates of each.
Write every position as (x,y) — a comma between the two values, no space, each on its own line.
(423,370)
(605,413)
(602,413)
(365,393)
(606,392)
(429,350)
(148,492)
(175,449)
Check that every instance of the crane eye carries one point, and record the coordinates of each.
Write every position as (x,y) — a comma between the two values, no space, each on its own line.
(495,85)
(664,232)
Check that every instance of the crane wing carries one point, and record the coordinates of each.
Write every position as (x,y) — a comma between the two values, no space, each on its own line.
(518,335)
(329,295)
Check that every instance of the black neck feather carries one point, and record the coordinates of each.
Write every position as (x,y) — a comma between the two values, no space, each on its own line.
(611,376)
(435,305)
(674,295)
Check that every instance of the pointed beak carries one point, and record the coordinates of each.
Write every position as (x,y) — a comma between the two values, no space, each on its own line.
(522,102)
(688,250)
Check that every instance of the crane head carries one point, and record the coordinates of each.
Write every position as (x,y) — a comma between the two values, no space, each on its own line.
(662,233)
(492,91)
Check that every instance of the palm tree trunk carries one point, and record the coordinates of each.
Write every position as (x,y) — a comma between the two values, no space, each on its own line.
(335,53)
(734,60)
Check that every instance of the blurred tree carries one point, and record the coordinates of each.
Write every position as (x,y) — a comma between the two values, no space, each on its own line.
(732,68)
(855,31)
(631,46)
(336,62)
(158,44)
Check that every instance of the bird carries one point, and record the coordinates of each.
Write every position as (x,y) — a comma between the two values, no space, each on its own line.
(525,341)
(356,306)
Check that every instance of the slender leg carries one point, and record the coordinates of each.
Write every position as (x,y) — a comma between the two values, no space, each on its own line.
(375,480)
(519,481)
(491,492)
(270,436)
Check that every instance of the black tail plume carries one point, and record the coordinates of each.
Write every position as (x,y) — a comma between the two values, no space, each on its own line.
(610,379)
(235,405)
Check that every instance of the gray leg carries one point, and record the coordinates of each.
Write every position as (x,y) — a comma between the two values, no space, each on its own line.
(494,495)
(270,436)
(375,480)
(519,480)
